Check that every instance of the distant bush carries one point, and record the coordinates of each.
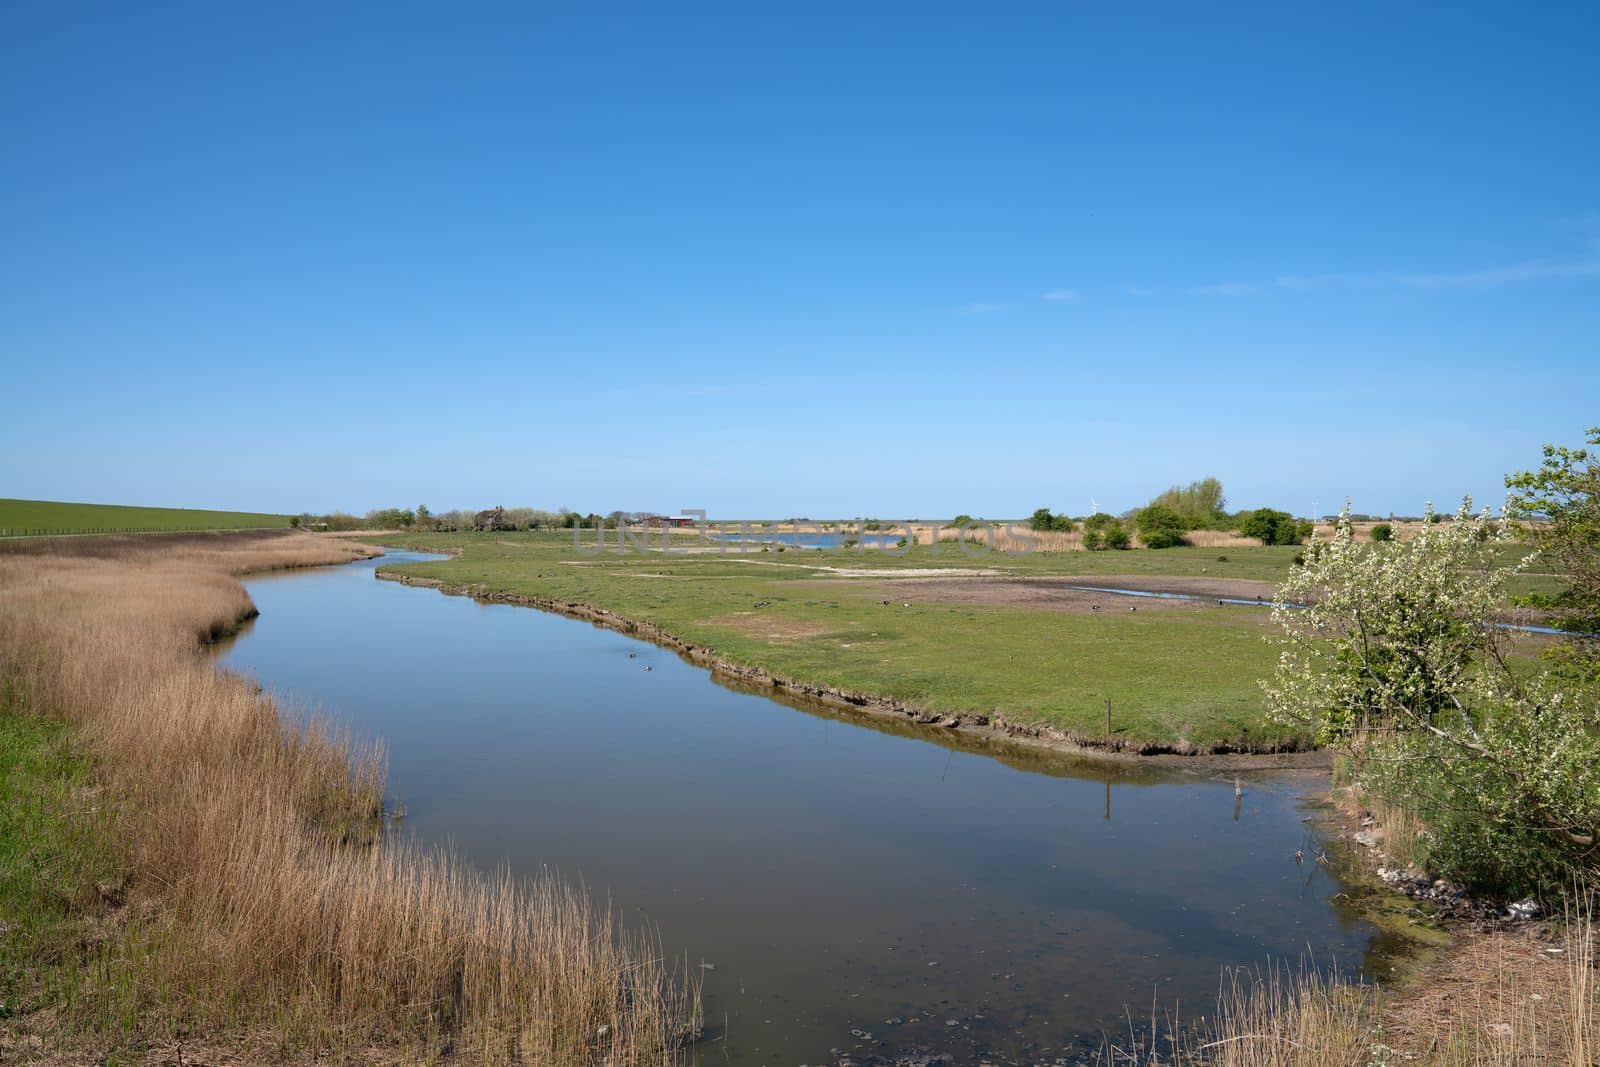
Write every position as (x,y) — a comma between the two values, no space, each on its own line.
(960,520)
(1105,531)
(1198,505)
(1159,526)
(1382,532)
(1162,538)
(1042,520)
(1272,527)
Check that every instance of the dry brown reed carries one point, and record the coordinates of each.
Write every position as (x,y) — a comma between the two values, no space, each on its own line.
(1494,998)
(264,897)
(1013,537)
(1220,539)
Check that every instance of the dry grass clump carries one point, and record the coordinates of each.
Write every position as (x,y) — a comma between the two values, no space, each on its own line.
(1013,537)
(1220,539)
(1505,996)
(1005,538)
(1280,1018)
(1495,998)
(262,895)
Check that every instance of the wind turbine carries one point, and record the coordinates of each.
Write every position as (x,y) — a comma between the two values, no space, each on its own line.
(1094,509)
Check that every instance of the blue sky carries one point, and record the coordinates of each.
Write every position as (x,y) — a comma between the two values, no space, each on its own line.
(889,259)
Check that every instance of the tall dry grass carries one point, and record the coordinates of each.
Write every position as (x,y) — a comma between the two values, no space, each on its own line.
(263,895)
(1502,998)
(1005,538)
(1018,538)
(1220,539)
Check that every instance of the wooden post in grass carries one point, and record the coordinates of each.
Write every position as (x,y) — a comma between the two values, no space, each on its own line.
(1108,722)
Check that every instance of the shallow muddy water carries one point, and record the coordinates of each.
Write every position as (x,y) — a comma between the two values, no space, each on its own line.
(851,889)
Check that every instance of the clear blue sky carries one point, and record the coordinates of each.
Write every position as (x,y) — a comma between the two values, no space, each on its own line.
(852,259)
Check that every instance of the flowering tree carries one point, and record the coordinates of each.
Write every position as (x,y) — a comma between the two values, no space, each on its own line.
(1559,505)
(1392,651)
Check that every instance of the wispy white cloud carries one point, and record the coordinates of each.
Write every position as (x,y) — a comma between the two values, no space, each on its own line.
(1533,271)
(1307,281)
(1062,294)
(1226,289)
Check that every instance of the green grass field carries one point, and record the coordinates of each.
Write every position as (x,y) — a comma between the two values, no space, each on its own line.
(54,851)
(43,517)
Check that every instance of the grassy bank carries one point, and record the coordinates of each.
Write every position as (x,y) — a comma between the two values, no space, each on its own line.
(989,635)
(59,875)
(228,857)
(33,518)
(1180,675)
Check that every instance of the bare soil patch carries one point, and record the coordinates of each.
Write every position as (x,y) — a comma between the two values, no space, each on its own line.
(768,627)
(1059,594)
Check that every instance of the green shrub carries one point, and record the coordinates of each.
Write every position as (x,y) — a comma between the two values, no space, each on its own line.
(1042,520)
(1159,526)
(1272,527)
(1116,535)
(1200,504)
(1382,532)
(1162,538)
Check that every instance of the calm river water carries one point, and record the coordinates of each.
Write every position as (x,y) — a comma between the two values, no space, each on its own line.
(852,890)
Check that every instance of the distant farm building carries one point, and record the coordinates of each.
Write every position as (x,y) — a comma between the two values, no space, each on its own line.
(489,520)
(672,521)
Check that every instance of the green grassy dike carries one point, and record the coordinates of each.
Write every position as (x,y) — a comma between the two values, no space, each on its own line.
(59,884)
(1181,676)
(36,518)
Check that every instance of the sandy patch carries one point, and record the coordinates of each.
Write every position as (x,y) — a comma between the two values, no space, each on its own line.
(773,628)
(1198,585)
(1057,594)
(882,572)
(1010,592)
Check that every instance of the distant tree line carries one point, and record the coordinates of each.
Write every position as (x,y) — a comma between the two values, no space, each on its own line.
(1166,521)
(421,518)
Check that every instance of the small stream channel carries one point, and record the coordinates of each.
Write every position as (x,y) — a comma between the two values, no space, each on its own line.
(852,889)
